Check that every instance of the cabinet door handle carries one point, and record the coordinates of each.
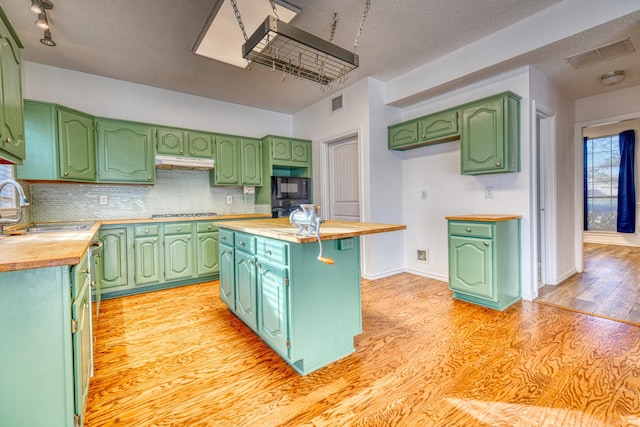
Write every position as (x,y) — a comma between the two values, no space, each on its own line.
(267,252)
(223,238)
(209,227)
(242,244)
(155,239)
(148,178)
(121,231)
(468,229)
(498,164)
(486,243)
(178,228)
(8,140)
(146,230)
(181,151)
(191,153)
(66,174)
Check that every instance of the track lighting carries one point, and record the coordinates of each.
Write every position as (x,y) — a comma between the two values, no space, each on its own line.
(40,7)
(46,40)
(42,22)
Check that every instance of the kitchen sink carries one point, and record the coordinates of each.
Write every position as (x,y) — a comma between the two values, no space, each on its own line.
(58,226)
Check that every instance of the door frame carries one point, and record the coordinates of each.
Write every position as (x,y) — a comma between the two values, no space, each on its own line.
(324,167)
(579,179)
(544,184)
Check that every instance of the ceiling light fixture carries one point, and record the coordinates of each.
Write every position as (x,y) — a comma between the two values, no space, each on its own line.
(612,78)
(42,22)
(37,6)
(283,47)
(46,40)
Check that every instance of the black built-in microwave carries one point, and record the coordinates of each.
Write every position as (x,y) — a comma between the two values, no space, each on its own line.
(287,193)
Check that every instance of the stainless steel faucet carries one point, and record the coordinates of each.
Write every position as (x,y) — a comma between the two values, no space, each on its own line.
(22,203)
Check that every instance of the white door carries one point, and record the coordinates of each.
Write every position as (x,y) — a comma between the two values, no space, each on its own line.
(343,180)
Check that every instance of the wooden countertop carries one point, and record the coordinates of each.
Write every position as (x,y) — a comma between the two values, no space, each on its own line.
(281,229)
(482,217)
(51,249)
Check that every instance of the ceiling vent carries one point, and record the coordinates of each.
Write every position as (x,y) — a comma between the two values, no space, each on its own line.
(619,48)
(336,103)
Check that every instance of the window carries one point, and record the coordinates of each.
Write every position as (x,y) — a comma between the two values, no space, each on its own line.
(602,165)
(8,195)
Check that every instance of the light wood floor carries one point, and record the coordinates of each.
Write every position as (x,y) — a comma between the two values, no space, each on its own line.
(609,286)
(179,358)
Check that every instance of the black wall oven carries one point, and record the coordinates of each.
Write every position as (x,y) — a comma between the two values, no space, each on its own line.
(287,193)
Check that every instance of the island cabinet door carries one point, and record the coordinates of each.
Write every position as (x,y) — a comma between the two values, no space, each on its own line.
(227,276)
(273,303)
(246,288)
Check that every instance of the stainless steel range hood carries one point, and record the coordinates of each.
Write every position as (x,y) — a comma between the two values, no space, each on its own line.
(176,162)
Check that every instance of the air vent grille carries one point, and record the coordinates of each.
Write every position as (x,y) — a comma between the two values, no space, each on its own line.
(336,103)
(613,50)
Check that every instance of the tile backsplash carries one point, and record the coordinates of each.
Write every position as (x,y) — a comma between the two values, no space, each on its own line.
(175,191)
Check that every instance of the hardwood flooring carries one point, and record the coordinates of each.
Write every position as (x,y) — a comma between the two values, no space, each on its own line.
(178,357)
(609,286)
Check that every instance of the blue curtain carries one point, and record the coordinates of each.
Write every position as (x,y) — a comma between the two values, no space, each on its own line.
(585,211)
(626,186)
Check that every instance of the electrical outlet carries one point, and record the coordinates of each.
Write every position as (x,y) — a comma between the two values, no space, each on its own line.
(229,200)
(103,200)
(424,194)
(488,192)
(423,255)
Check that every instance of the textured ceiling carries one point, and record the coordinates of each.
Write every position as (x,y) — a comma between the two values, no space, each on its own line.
(150,42)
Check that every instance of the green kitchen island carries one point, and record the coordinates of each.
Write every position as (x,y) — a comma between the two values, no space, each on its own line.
(306,310)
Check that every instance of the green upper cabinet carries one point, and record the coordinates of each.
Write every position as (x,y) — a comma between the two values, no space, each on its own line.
(126,152)
(250,162)
(12,140)
(76,145)
(427,130)
(61,144)
(238,161)
(289,151)
(171,141)
(200,144)
(490,141)
(178,142)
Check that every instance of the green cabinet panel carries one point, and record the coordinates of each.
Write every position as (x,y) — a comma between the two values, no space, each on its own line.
(147,260)
(227,170)
(171,141)
(280,149)
(201,144)
(245,284)
(207,254)
(76,142)
(114,269)
(81,314)
(126,152)
(228,276)
(300,151)
(60,144)
(178,257)
(273,296)
(238,161)
(289,151)
(403,135)
(490,141)
(12,140)
(484,262)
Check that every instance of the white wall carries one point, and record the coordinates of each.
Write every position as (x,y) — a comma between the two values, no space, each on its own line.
(365,114)
(101,96)
(559,188)
(436,170)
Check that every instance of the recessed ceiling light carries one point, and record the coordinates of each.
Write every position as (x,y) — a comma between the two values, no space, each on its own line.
(222,38)
(612,78)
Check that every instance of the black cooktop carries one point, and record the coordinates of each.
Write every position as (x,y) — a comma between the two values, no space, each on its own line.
(183,215)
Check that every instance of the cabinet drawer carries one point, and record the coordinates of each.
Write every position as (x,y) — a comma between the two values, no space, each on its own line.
(203,227)
(182,228)
(472,229)
(227,237)
(147,230)
(245,242)
(273,250)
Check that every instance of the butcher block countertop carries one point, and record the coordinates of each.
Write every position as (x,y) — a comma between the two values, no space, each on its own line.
(482,217)
(56,248)
(281,229)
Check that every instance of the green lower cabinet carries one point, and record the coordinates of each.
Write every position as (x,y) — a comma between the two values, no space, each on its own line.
(245,266)
(484,262)
(147,260)
(273,297)
(307,311)
(228,276)
(45,351)
(114,268)
(207,253)
(178,257)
